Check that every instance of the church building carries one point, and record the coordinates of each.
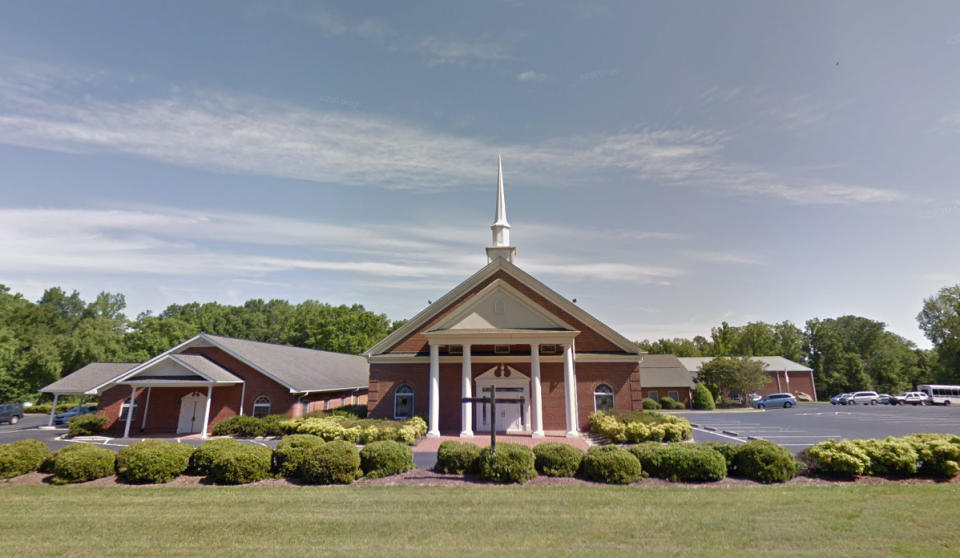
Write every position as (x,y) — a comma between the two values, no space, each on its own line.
(503,328)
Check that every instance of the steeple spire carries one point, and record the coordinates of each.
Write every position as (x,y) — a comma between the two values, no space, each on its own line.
(501,228)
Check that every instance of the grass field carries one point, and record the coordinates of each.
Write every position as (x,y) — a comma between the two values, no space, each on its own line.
(883,520)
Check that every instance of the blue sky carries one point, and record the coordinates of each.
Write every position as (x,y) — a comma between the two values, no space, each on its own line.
(669,165)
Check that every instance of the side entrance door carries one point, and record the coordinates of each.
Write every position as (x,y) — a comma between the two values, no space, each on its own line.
(192,407)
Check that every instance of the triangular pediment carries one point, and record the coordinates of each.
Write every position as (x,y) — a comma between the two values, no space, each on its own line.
(500,306)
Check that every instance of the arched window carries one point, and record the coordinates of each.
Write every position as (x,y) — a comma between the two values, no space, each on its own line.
(261,406)
(403,402)
(603,398)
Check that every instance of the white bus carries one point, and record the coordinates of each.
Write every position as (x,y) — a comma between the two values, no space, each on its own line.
(941,394)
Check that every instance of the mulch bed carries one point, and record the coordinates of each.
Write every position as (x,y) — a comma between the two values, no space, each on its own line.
(420,477)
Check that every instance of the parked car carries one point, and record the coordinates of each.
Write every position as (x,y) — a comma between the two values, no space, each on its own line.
(835,400)
(846,399)
(886,399)
(773,400)
(11,412)
(60,419)
(912,398)
(751,397)
(863,398)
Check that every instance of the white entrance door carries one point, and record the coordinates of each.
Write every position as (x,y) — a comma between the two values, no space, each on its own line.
(510,384)
(192,407)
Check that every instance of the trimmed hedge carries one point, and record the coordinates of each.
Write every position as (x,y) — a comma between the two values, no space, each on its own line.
(20,458)
(939,454)
(202,458)
(890,457)
(671,403)
(351,411)
(358,431)
(681,462)
(640,426)
(930,455)
(844,459)
(153,461)
(336,462)
(612,465)
(650,404)
(728,450)
(290,451)
(246,426)
(703,399)
(82,463)
(556,459)
(764,462)
(455,457)
(510,463)
(86,425)
(241,464)
(385,458)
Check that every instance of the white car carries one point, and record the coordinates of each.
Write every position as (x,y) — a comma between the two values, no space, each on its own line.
(863,398)
(912,398)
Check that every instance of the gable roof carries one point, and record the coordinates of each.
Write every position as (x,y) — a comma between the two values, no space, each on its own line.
(501,264)
(660,371)
(86,380)
(770,364)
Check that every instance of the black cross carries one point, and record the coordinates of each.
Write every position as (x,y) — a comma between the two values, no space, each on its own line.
(493,400)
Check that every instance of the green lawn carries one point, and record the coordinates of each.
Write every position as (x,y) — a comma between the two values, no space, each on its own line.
(885,520)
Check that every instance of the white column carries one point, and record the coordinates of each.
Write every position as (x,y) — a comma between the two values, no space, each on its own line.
(433,411)
(133,400)
(570,390)
(466,390)
(536,390)
(243,395)
(53,410)
(206,411)
(146,407)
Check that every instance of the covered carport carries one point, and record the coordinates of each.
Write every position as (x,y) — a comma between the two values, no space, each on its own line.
(92,379)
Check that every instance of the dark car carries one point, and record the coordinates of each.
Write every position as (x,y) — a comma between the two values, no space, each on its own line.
(11,412)
(61,418)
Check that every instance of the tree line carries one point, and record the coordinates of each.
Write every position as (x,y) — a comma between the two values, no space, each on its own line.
(59,333)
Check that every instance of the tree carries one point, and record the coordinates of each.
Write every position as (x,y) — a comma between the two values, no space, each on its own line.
(940,321)
(702,398)
(734,376)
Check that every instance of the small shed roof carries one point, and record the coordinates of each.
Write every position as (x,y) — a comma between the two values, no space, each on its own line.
(770,364)
(87,379)
(660,371)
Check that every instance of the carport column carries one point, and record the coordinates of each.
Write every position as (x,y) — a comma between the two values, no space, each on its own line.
(53,410)
(466,390)
(206,411)
(537,391)
(570,389)
(133,399)
(433,411)
(146,407)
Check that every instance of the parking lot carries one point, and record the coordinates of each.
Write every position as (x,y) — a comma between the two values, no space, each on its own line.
(806,425)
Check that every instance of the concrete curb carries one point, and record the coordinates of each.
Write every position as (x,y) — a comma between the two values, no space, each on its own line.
(731,433)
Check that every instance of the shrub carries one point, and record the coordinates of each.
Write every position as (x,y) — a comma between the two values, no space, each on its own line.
(727,450)
(509,463)
(671,403)
(702,398)
(241,464)
(830,457)
(352,411)
(86,425)
(939,454)
(202,458)
(650,404)
(290,451)
(690,463)
(648,454)
(153,461)
(612,465)
(358,431)
(81,463)
(243,426)
(454,457)
(20,458)
(764,462)
(385,458)
(336,462)
(640,426)
(555,459)
(890,456)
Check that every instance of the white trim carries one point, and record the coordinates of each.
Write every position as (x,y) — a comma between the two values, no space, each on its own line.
(495,285)
(146,408)
(411,358)
(268,405)
(411,394)
(612,395)
(517,379)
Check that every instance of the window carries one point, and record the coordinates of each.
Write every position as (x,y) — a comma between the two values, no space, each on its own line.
(548,349)
(603,398)
(261,406)
(125,408)
(654,395)
(403,402)
(501,349)
(673,395)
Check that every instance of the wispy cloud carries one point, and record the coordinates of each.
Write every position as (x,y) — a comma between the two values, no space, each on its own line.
(600,74)
(725,257)
(250,136)
(438,50)
(531,75)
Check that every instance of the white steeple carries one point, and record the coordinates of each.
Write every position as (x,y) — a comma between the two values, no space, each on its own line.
(501,228)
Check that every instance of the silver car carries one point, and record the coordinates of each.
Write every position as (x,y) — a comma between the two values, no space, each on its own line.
(773,400)
(863,398)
